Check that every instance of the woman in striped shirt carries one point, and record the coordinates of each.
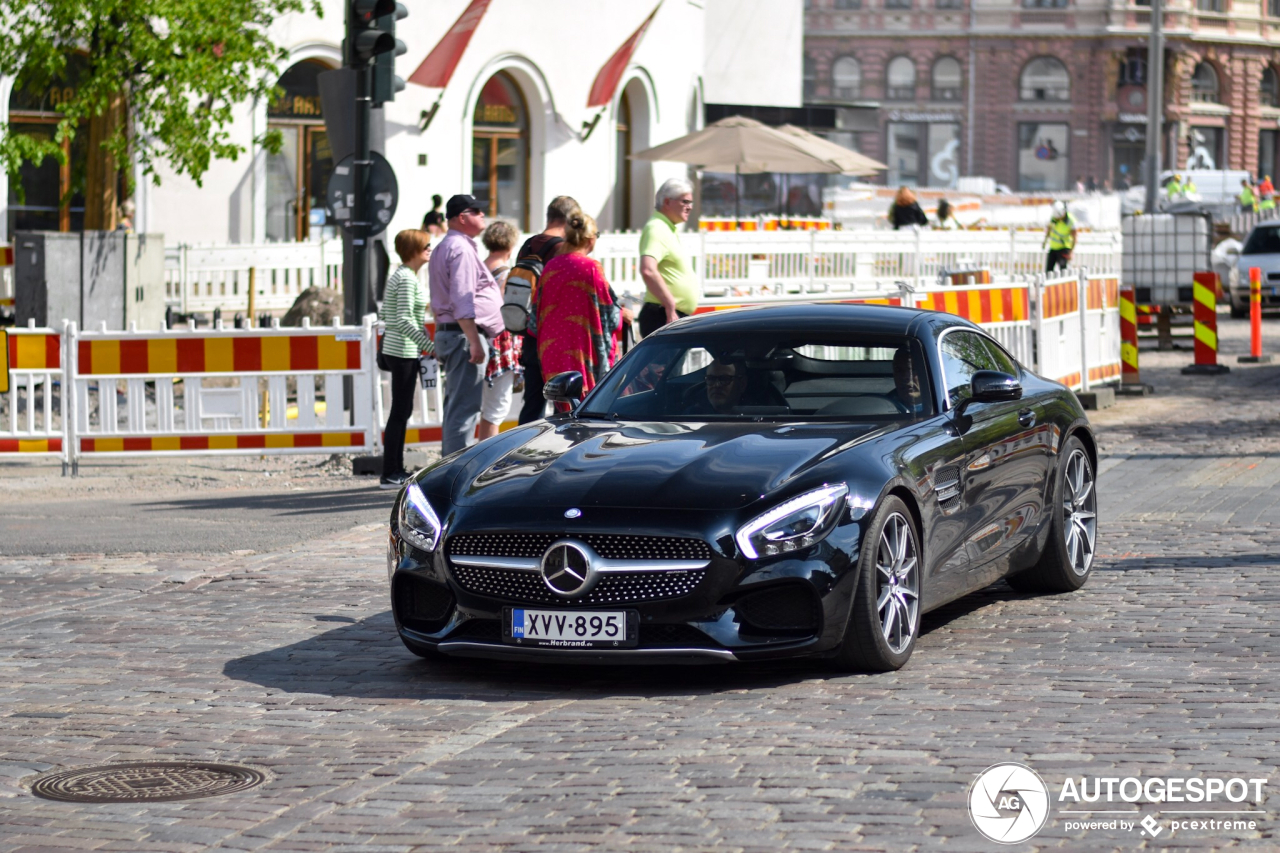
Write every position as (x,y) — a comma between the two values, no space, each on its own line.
(404,311)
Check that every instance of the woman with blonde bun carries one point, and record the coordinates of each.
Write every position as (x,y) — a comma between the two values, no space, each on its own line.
(577,316)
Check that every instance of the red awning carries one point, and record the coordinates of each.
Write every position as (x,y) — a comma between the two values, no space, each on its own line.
(606,82)
(438,67)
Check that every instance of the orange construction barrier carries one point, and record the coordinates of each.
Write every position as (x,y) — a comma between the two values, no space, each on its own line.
(1255,355)
(1205,313)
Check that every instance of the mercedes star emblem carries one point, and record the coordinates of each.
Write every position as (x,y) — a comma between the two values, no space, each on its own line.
(573,513)
(568,570)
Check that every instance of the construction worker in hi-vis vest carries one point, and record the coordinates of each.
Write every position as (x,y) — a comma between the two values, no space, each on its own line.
(1060,237)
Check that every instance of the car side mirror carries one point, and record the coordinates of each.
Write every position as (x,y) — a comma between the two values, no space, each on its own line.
(564,388)
(992,386)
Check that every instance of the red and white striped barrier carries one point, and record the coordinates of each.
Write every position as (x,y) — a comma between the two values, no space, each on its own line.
(32,407)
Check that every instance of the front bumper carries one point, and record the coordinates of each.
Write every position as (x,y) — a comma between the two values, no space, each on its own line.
(738,610)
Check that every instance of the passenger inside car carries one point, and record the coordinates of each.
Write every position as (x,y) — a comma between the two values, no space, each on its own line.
(907,382)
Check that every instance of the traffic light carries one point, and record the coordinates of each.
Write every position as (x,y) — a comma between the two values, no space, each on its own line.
(371,31)
(385,81)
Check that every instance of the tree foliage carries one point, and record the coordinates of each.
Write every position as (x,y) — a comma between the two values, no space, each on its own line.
(177,68)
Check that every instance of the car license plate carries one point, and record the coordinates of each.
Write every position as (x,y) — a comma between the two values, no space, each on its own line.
(571,629)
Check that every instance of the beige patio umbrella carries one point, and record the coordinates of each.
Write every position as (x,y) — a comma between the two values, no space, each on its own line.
(850,162)
(745,146)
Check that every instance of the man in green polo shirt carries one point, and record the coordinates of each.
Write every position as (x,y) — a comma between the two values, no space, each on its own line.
(665,266)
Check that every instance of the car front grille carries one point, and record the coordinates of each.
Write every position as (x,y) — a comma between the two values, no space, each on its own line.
(614,588)
(611,546)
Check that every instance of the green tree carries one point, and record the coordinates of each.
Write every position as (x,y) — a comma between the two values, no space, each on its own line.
(157,81)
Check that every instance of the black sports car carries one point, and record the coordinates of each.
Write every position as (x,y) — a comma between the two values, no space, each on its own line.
(786,481)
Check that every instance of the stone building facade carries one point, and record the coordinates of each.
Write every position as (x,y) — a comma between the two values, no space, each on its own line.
(1040,93)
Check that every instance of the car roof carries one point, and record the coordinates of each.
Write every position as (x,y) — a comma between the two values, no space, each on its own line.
(815,317)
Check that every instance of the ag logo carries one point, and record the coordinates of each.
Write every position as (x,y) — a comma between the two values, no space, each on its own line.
(1008,803)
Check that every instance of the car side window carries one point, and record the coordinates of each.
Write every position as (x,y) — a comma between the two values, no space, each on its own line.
(1004,363)
(963,354)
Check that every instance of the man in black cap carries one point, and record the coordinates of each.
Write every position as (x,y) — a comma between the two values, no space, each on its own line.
(467,305)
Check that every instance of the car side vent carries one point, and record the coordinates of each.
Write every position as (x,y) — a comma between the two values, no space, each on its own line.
(946,484)
(422,605)
(790,608)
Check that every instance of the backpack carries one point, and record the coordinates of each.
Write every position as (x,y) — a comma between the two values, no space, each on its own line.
(517,298)
(519,311)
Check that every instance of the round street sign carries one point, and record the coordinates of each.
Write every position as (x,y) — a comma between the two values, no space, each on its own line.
(384,193)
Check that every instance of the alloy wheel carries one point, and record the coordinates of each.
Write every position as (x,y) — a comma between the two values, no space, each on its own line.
(897,583)
(1079,512)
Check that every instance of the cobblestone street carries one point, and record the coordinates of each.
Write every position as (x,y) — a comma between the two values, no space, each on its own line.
(1166,664)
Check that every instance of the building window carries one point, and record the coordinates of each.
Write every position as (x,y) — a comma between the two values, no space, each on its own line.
(1204,147)
(1133,71)
(1044,79)
(949,4)
(900,80)
(48,195)
(1204,85)
(1044,4)
(1219,6)
(1267,151)
(810,77)
(1269,88)
(897,4)
(923,154)
(500,151)
(298,176)
(1042,156)
(848,5)
(1273,8)
(946,79)
(846,78)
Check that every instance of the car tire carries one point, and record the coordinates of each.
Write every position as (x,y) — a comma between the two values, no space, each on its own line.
(423,651)
(1068,556)
(889,579)
(1241,312)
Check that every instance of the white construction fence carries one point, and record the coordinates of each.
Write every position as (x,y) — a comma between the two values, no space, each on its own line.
(200,279)
(185,391)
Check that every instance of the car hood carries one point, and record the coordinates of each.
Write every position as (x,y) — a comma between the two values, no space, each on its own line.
(649,465)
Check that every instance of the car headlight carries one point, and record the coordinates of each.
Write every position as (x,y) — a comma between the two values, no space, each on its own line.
(418,521)
(798,523)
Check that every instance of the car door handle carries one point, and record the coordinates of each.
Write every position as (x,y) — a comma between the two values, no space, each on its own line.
(1027,417)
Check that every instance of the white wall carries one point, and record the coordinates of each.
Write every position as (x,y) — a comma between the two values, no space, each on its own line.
(553,48)
(754,52)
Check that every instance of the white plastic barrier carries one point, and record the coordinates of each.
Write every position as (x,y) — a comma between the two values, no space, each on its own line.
(1078,330)
(736,264)
(204,278)
(729,264)
(1005,310)
(428,407)
(221,392)
(33,420)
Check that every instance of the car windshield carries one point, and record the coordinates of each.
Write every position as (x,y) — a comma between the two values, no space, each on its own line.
(766,375)
(1263,241)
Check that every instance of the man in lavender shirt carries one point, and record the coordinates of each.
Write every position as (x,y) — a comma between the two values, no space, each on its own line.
(467,305)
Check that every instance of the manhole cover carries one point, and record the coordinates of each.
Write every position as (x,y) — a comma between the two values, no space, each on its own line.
(150,781)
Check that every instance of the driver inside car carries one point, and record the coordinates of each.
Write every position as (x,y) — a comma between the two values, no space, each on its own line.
(726,382)
(728,386)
